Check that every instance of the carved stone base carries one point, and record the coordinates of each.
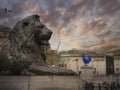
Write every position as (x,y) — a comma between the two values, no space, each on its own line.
(86,73)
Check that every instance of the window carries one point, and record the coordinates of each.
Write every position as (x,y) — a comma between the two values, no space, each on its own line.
(65,65)
(117,69)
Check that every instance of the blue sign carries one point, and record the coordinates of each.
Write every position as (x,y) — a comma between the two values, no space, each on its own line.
(86,59)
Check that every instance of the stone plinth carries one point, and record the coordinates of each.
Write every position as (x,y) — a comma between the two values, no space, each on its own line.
(86,73)
(40,83)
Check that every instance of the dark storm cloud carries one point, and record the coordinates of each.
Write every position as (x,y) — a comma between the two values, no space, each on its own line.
(93,27)
(98,23)
(73,11)
(93,24)
(104,34)
(57,10)
(70,10)
(109,7)
(18,9)
(52,14)
(11,18)
(15,7)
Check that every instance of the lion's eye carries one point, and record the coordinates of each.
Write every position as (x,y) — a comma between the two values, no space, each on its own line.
(25,24)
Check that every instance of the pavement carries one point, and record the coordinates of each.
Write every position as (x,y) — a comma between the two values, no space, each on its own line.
(48,82)
(39,83)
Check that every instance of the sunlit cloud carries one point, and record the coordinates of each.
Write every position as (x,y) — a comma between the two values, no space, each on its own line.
(86,24)
(32,7)
(104,44)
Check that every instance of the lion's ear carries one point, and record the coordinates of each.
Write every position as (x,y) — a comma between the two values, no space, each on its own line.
(25,24)
(37,17)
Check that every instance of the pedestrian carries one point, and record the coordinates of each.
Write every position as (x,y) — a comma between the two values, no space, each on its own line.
(117,84)
(79,73)
(99,86)
(106,85)
(91,86)
(114,86)
(111,86)
(86,86)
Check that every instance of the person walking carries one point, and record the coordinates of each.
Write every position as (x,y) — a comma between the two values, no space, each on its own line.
(99,86)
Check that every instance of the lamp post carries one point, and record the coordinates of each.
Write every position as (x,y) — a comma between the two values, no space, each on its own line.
(77,66)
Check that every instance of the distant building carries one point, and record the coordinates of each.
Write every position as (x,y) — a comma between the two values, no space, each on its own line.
(4,33)
(102,64)
(51,55)
(117,64)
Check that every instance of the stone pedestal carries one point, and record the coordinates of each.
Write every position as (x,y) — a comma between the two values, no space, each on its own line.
(87,73)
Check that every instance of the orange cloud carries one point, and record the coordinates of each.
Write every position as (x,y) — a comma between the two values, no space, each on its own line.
(59,32)
(104,44)
(78,22)
(32,7)
(98,19)
(70,41)
(58,9)
(103,33)
(35,8)
(66,37)
(46,13)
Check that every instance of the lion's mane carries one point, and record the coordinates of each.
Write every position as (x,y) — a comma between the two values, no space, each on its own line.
(25,45)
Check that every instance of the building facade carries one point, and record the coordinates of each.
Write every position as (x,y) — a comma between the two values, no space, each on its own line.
(102,64)
(117,64)
(4,33)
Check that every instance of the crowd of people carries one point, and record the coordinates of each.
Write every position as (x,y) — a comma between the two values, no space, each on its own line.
(115,85)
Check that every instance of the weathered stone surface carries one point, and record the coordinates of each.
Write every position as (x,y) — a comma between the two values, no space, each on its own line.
(4,33)
(40,83)
(48,70)
(4,29)
(24,50)
(25,45)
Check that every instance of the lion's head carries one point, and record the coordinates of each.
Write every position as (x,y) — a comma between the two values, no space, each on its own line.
(29,28)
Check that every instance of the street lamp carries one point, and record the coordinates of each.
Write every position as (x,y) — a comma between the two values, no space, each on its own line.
(77,66)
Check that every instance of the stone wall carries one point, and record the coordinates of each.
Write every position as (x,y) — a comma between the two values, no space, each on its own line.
(4,33)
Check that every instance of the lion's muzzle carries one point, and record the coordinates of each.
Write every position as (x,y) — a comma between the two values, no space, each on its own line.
(43,36)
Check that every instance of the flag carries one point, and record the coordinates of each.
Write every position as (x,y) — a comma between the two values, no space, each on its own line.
(7,10)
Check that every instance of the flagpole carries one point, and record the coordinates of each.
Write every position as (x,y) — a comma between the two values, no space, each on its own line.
(58,46)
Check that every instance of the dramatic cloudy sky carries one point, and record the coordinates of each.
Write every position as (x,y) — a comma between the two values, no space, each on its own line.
(80,24)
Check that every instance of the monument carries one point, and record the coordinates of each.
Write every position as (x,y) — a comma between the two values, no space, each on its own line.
(23,52)
(86,70)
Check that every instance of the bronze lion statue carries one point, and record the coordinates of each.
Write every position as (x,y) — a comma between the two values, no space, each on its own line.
(23,52)
(25,46)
